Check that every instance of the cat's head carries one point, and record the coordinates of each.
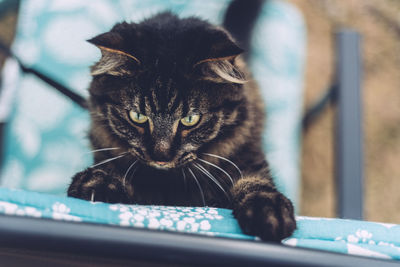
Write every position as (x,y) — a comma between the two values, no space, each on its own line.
(166,88)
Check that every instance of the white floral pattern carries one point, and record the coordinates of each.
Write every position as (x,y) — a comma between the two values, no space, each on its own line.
(337,235)
(348,236)
(14,209)
(195,220)
(61,212)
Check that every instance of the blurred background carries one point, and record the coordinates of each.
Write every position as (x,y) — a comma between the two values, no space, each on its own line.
(378,21)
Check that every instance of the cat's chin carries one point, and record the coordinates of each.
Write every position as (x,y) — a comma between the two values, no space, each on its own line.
(167,166)
(173,164)
(162,165)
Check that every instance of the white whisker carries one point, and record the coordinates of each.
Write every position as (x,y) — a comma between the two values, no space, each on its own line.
(108,160)
(102,149)
(219,168)
(227,160)
(184,180)
(133,173)
(127,171)
(209,175)
(198,185)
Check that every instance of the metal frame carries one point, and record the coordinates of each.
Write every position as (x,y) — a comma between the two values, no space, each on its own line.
(346,94)
(349,134)
(82,241)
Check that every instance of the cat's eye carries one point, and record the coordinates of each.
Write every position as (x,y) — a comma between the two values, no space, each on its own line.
(137,117)
(190,120)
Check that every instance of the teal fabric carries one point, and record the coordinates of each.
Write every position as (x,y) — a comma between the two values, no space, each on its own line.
(277,63)
(374,239)
(46,141)
(343,236)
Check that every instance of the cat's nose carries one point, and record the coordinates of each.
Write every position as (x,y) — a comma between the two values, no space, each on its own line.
(162,150)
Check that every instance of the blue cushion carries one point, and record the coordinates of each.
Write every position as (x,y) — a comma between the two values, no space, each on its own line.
(337,235)
(46,136)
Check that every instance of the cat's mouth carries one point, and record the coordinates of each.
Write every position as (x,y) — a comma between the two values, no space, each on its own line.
(167,165)
(162,165)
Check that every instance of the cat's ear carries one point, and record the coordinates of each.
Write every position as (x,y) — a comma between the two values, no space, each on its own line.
(219,59)
(219,46)
(114,56)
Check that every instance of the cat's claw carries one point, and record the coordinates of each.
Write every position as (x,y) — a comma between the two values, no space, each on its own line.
(96,185)
(92,196)
(268,215)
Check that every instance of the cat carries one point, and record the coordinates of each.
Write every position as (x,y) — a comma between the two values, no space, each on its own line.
(177,120)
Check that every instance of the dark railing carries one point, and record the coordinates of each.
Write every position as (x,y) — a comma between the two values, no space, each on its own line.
(349,134)
(85,244)
(345,93)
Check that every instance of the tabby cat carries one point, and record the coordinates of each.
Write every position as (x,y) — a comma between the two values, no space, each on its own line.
(177,120)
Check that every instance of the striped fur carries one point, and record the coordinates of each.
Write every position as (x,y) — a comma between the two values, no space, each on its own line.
(216,162)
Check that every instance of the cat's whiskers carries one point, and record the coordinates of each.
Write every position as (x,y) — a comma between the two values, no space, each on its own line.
(127,171)
(184,180)
(96,150)
(110,159)
(227,160)
(97,114)
(100,120)
(212,177)
(133,173)
(104,125)
(198,185)
(99,117)
(103,149)
(217,167)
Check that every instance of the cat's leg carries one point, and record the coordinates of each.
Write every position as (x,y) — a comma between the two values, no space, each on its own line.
(97,185)
(261,210)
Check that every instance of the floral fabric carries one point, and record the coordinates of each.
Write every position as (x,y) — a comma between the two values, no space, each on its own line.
(372,239)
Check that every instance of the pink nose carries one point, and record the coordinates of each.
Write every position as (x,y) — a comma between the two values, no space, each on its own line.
(161,162)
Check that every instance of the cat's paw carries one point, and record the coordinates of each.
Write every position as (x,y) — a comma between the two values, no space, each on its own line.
(268,215)
(97,185)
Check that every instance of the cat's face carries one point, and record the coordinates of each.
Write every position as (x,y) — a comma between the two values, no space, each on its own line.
(166,92)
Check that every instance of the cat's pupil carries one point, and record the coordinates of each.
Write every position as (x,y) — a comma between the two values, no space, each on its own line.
(189,119)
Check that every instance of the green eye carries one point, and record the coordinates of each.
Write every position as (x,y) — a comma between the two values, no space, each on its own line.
(137,117)
(190,120)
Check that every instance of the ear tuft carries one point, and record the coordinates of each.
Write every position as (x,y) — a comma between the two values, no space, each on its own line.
(220,46)
(109,39)
(114,56)
(223,71)
(219,62)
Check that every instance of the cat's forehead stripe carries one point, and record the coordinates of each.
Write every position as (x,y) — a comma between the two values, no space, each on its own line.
(142,103)
(148,108)
(156,103)
(174,101)
(136,102)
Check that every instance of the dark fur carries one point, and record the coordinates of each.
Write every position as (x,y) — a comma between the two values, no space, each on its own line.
(165,67)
